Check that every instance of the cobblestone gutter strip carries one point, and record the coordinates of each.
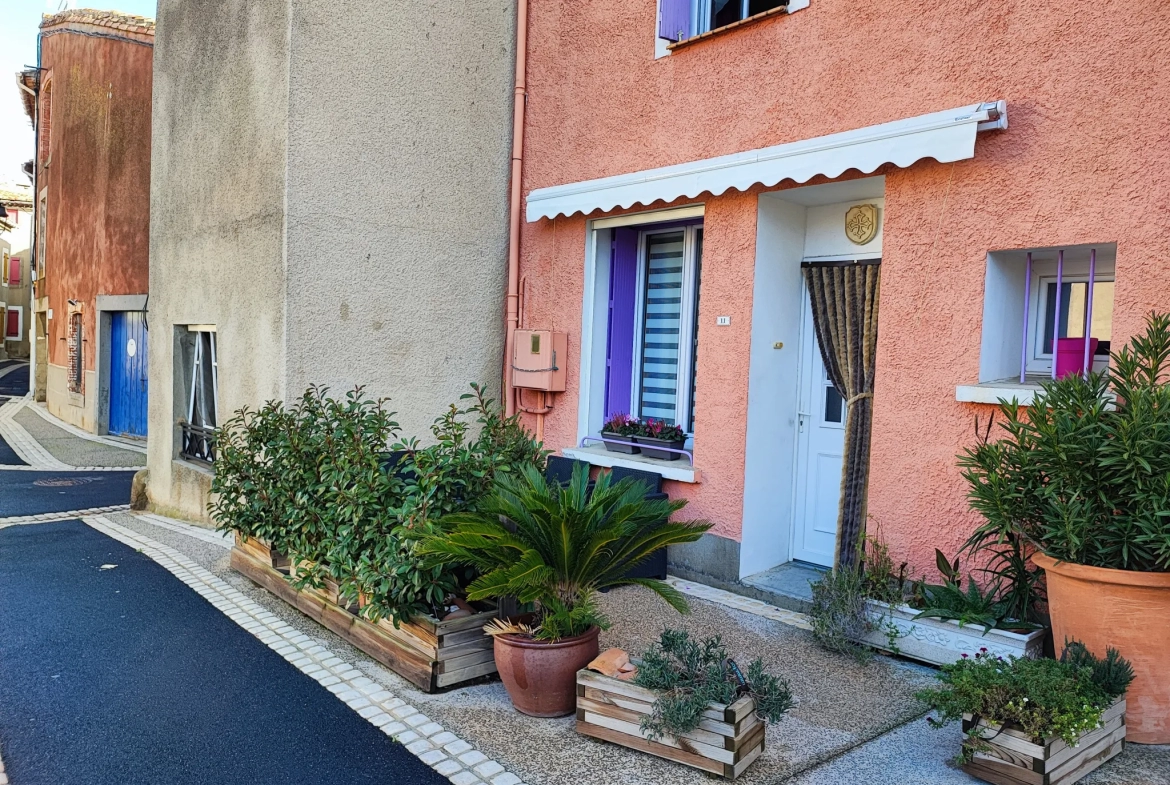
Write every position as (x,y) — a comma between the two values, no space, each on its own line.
(444,752)
(739,603)
(222,539)
(49,517)
(22,443)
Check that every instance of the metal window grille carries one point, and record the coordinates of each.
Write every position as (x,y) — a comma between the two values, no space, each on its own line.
(76,355)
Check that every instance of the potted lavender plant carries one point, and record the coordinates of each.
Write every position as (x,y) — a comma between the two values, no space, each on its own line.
(653,434)
(622,427)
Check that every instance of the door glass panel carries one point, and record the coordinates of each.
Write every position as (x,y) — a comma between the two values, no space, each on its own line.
(834,405)
(1072,313)
(661,323)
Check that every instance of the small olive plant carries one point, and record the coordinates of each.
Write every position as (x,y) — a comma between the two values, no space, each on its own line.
(692,674)
(1042,697)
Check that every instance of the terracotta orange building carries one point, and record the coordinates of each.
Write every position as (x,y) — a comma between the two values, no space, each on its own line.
(91,107)
(713,191)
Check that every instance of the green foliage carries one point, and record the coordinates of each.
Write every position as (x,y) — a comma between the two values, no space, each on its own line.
(990,607)
(557,546)
(304,476)
(879,578)
(691,674)
(1113,674)
(308,478)
(1040,697)
(1085,475)
(839,613)
(472,446)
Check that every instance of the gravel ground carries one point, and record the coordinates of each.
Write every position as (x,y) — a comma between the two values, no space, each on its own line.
(73,450)
(852,723)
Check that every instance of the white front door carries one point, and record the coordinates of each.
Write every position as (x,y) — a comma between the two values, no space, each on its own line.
(820,451)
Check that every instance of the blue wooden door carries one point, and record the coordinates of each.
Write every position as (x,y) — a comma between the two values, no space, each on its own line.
(128,373)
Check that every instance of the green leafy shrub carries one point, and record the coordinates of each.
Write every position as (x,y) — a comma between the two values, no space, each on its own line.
(473,445)
(304,476)
(556,546)
(1041,697)
(1084,473)
(691,674)
(309,479)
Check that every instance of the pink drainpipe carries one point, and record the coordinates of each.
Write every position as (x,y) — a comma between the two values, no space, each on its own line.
(515,187)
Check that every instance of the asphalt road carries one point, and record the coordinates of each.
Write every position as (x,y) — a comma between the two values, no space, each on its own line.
(32,493)
(8,457)
(14,383)
(122,675)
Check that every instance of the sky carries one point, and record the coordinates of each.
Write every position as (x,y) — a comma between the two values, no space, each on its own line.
(19,20)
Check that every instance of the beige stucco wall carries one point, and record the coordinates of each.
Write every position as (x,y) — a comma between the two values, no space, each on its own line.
(18,241)
(217,214)
(330,190)
(399,149)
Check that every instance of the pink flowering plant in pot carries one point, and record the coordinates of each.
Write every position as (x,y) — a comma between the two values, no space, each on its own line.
(660,434)
(621,427)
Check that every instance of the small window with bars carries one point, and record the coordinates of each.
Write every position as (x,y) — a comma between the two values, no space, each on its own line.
(76,353)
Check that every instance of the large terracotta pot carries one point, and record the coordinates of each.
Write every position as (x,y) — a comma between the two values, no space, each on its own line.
(541,678)
(1129,611)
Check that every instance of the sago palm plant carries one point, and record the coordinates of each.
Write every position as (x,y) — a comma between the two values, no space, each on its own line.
(555,546)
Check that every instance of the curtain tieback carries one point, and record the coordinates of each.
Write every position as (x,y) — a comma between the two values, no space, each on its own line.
(858,397)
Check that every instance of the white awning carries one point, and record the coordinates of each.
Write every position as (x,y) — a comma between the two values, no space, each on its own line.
(944,136)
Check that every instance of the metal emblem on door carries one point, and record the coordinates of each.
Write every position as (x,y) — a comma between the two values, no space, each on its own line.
(131,348)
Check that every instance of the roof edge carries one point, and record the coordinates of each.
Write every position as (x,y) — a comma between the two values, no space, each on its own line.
(110,20)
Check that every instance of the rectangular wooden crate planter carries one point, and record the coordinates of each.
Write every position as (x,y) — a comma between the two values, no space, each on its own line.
(1012,758)
(430,653)
(727,741)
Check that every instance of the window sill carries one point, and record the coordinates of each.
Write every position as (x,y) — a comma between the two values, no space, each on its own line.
(794,5)
(597,455)
(992,392)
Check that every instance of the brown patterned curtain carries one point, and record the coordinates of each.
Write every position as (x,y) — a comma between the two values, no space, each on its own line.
(845,318)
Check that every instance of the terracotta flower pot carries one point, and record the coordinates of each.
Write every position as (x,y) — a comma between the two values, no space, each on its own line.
(541,678)
(1128,611)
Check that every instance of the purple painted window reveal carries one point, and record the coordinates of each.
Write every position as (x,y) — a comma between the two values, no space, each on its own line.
(619,350)
(675,20)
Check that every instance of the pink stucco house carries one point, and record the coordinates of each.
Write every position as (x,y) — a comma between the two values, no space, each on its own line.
(691,168)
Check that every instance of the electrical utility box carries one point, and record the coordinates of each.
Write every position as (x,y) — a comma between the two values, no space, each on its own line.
(539,358)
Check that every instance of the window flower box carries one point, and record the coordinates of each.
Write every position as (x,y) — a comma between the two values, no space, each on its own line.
(939,642)
(1006,756)
(657,448)
(614,446)
(729,738)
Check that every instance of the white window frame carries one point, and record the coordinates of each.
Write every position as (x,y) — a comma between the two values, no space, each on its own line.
(20,323)
(595,308)
(687,324)
(197,357)
(1044,273)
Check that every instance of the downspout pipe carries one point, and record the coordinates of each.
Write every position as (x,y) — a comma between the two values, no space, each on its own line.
(520,98)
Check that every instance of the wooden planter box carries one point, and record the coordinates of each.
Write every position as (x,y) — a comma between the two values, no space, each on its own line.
(1012,758)
(429,653)
(263,552)
(727,741)
(938,642)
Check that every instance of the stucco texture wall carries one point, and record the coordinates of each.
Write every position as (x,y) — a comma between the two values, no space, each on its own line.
(217,214)
(399,140)
(97,172)
(1083,162)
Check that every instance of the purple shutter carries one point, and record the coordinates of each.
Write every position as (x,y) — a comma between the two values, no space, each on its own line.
(674,21)
(619,348)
